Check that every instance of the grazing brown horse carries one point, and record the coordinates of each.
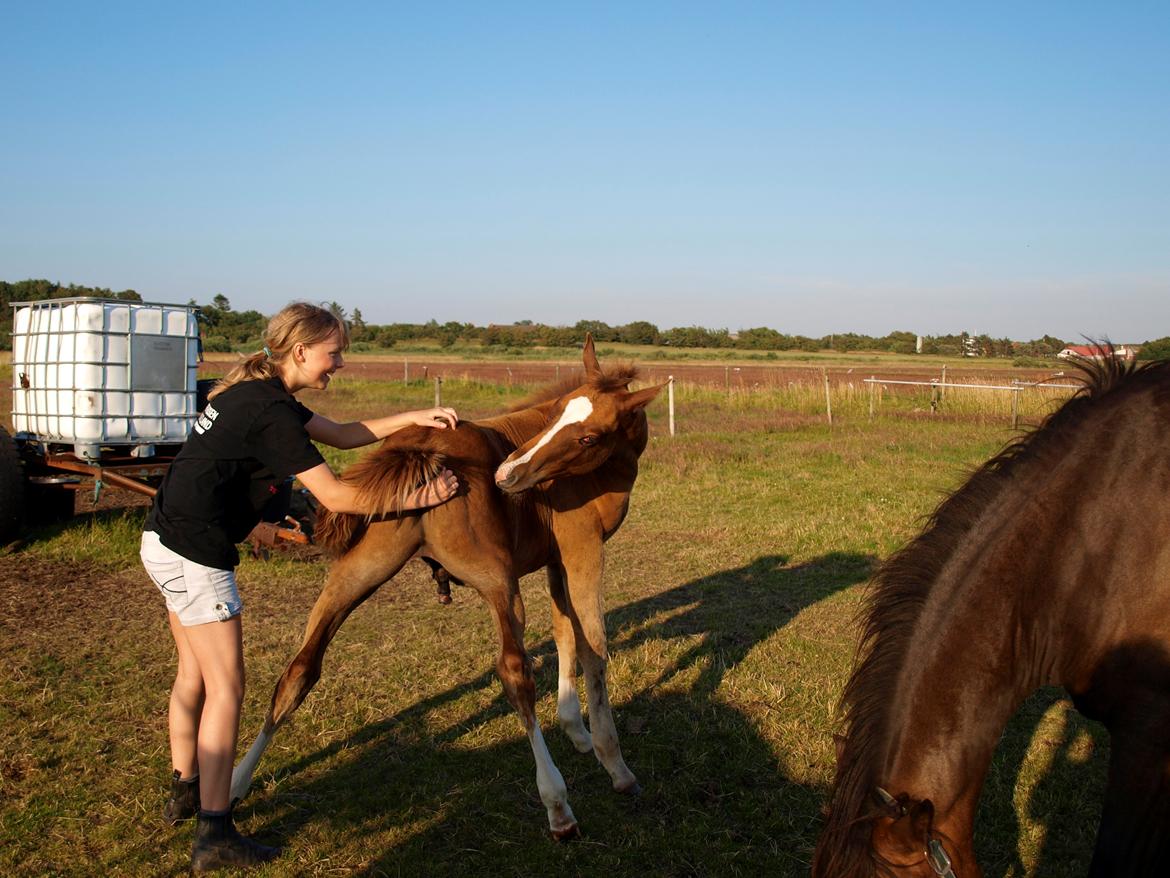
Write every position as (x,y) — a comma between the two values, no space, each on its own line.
(1050,566)
(543,486)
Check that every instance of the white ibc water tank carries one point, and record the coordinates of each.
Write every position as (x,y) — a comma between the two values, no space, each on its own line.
(93,372)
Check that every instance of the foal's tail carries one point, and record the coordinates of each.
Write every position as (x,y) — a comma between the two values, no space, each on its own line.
(384,479)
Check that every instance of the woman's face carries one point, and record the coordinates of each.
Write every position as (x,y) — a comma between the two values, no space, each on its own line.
(321,360)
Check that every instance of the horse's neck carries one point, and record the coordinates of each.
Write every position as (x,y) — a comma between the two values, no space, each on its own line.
(969,663)
(516,428)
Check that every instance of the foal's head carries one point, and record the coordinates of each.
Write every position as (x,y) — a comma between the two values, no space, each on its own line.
(584,427)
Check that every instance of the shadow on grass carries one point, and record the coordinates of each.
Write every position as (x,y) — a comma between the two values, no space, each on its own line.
(715,800)
(1064,801)
(408,794)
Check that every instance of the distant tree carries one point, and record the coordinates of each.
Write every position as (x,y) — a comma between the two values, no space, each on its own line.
(450,332)
(638,332)
(337,311)
(1047,346)
(760,338)
(601,331)
(1158,349)
(357,327)
(899,342)
(36,290)
(221,302)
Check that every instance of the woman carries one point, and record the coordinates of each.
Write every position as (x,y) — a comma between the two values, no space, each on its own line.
(251,436)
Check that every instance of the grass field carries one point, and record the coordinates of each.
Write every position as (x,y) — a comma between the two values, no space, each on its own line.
(731,590)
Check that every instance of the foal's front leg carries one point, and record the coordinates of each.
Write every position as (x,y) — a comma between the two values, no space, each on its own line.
(585,607)
(515,670)
(565,635)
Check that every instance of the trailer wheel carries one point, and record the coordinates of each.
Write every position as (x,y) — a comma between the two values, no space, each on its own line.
(49,500)
(11,489)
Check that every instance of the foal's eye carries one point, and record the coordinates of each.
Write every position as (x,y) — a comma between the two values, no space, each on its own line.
(588,440)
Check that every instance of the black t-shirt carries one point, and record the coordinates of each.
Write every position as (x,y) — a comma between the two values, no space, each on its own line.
(246,441)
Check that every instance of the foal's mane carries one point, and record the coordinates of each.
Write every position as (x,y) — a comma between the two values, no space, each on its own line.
(897,594)
(608,380)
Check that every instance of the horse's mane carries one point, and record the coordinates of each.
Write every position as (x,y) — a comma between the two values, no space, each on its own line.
(609,379)
(898,592)
(385,476)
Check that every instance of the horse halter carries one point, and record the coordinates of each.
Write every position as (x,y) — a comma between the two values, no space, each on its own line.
(934,854)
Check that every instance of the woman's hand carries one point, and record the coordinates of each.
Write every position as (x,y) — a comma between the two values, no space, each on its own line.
(438,490)
(439,417)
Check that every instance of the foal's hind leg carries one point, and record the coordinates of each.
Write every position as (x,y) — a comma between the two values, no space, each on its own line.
(568,702)
(584,606)
(502,595)
(380,554)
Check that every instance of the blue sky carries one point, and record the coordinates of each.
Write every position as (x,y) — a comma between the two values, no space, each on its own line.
(815,168)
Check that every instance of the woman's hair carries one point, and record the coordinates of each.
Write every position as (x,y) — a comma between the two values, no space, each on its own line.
(298,323)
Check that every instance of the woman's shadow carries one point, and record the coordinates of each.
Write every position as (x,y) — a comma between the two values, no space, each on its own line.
(716,798)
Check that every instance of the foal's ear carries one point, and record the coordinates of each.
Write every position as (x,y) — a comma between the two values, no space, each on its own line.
(592,367)
(631,402)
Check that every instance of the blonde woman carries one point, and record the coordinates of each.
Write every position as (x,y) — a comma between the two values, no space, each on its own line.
(252,435)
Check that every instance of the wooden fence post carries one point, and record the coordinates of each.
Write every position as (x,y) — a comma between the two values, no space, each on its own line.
(670,400)
(438,391)
(828,398)
(942,394)
(1015,403)
(871,393)
(406,371)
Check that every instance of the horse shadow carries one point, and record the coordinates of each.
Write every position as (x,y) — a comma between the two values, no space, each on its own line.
(1059,798)
(1063,800)
(716,796)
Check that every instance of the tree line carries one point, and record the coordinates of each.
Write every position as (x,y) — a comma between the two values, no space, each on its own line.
(224,329)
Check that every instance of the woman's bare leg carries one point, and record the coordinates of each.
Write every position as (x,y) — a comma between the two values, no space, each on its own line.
(186,705)
(219,650)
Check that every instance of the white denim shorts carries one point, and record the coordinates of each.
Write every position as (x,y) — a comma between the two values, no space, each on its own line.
(195,593)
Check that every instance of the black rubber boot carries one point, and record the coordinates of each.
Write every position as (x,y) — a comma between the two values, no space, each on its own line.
(184,801)
(219,845)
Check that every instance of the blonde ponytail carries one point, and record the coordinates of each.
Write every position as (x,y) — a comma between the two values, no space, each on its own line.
(298,323)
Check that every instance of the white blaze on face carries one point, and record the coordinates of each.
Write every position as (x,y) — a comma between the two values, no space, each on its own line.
(576,411)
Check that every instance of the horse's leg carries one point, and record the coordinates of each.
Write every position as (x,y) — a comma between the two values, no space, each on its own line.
(515,670)
(583,575)
(380,554)
(568,702)
(1134,835)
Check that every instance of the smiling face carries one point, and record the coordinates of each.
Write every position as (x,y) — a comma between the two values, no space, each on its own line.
(312,365)
(323,359)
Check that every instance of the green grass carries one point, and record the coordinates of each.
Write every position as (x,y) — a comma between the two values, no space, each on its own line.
(730,589)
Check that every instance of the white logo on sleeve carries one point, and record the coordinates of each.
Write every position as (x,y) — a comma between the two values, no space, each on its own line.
(204,421)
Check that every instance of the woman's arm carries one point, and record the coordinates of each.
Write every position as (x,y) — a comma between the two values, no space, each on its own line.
(357,433)
(337,496)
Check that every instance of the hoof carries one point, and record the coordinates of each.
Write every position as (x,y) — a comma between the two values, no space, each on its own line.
(566,833)
(239,790)
(444,599)
(631,789)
